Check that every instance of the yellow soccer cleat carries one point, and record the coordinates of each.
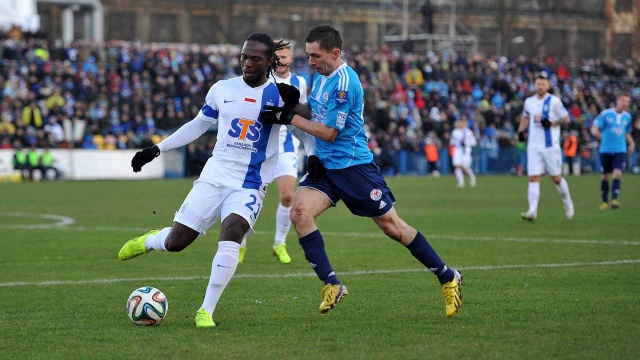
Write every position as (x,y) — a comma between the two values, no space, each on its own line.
(615,204)
(243,251)
(452,294)
(204,319)
(603,206)
(280,252)
(135,246)
(331,295)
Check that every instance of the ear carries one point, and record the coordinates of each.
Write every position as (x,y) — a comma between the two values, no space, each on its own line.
(336,53)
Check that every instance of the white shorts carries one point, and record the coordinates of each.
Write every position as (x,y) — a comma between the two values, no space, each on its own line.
(287,165)
(542,160)
(461,159)
(208,203)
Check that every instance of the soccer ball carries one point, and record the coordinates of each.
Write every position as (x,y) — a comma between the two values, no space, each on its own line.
(147,306)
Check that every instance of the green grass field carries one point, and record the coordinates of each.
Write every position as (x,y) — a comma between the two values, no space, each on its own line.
(549,289)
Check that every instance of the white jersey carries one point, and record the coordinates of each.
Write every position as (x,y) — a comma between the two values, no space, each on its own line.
(550,107)
(287,142)
(463,140)
(246,150)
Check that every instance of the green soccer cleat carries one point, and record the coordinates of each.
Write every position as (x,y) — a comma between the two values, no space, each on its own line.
(331,296)
(204,319)
(135,246)
(243,251)
(280,252)
(452,294)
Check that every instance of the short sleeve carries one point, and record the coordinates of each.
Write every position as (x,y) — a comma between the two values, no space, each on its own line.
(558,110)
(599,120)
(209,111)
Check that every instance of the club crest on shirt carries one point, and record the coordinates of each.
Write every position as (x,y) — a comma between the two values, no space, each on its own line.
(325,96)
(341,97)
(375,194)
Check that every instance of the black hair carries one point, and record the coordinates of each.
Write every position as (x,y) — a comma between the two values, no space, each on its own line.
(326,35)
(272,47)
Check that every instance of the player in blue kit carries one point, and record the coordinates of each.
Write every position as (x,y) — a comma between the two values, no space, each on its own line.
(344,170)
(613,128)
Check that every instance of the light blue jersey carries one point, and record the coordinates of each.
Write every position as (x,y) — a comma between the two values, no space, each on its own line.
(614,128)
(337,101)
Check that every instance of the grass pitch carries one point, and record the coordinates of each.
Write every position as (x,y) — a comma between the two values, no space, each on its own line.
(549,289)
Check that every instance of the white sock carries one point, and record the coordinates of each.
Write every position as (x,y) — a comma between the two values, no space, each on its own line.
(156,242)
(244,241)
(563,190)
(472,177)
(459,176)
(533,195)
(222,269)
(283,224)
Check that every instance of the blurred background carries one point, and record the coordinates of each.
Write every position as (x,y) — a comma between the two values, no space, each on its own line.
(84,83)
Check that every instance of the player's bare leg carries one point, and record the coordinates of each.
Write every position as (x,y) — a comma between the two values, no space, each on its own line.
(472,176)
(173,239)
(451,280)
(307,205)
(224,265)
(563,190)
(459,176)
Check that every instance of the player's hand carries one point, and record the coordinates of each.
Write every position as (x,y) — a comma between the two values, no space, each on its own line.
(143,157)
(521,137)
(315,168)
(277,114)
(545,123)
(289,94)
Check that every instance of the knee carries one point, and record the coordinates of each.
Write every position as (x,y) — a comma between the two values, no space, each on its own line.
(617,174)
(299,215)
(286,198)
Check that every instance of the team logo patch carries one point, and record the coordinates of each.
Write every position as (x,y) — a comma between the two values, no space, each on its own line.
(325,96)
(375,194)
(341,97)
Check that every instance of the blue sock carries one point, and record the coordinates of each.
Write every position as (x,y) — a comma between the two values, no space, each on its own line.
(604,190)
(314,252)
(421,250)
(615,189)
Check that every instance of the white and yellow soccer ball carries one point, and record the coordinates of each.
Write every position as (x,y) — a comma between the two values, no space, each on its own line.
(147,306)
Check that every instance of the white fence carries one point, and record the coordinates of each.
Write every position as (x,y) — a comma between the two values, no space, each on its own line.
(84,164)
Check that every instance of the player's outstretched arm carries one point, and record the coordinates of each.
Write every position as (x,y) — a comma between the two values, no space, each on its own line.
(304,110)
(307,140)
(186,134)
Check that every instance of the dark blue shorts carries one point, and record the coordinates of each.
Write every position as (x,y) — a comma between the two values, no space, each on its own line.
(361,187)
(611,161)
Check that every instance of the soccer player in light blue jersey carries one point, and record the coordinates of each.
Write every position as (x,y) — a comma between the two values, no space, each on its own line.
(344,170)
(613,128)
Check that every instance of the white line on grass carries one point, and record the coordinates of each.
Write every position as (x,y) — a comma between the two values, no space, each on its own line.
(61,221)
(343,234)
(346,273)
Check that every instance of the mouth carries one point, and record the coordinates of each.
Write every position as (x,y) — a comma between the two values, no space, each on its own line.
(248,73)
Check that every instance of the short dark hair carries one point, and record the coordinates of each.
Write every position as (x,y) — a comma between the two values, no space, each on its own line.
(325,34)
(624,93)
(272,47)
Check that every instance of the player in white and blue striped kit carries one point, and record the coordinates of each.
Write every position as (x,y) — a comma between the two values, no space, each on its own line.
(344,170)
(613,128)
(233,183)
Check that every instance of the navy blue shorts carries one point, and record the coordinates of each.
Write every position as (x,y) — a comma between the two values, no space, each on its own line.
(611,161)
(361,187)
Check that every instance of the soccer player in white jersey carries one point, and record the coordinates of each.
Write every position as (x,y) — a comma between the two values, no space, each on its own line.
(543,114)
(233,182)
(463,140)
(286,171)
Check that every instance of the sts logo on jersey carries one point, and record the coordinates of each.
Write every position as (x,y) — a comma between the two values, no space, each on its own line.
(245,129)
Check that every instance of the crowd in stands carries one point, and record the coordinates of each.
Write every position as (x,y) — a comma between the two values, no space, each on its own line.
(131,95)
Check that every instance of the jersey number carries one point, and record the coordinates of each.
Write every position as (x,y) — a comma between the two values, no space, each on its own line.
(250,205)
